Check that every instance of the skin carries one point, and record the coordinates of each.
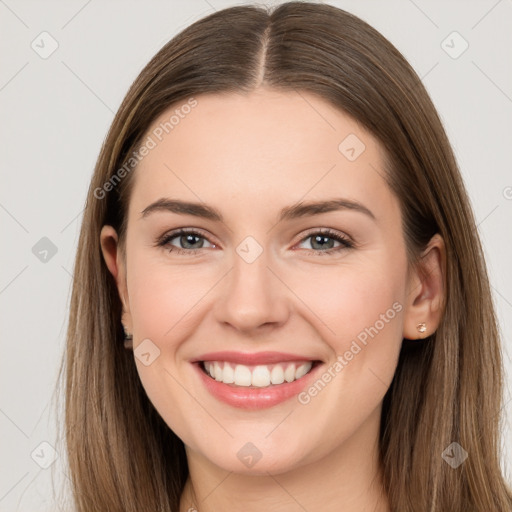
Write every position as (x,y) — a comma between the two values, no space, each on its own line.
(249,156)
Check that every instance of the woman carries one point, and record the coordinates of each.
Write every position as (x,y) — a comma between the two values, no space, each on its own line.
(242,371)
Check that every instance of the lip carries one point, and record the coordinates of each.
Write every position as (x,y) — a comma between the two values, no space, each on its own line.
(252,359)
(250,398)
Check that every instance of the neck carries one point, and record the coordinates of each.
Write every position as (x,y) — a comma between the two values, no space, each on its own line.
(348,479)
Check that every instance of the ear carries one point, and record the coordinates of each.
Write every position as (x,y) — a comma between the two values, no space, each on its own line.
(116,264)
(426,291)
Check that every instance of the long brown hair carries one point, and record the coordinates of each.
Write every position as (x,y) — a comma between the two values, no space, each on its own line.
(122,456)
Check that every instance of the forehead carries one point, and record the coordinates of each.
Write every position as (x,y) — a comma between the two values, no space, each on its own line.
(250,151)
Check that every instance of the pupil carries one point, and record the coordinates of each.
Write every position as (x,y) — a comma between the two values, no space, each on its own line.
(188,238)
(320,238)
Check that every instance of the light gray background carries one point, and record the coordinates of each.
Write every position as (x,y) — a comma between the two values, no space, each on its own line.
(55,113)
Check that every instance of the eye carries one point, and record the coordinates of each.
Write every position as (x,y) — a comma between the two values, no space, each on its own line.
(187,238)
(324,240)
(192,241)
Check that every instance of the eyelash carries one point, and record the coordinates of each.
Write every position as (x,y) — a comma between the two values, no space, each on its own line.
(345,242)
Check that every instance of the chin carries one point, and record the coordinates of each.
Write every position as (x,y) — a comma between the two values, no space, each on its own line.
(257,459)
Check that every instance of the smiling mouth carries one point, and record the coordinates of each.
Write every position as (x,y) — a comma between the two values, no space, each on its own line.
(257,376)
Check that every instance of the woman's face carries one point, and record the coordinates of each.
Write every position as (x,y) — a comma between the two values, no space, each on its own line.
(261,293)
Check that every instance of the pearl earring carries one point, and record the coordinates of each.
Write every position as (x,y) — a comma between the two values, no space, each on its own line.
(422,327)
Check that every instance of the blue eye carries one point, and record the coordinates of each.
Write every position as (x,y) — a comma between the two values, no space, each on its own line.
(191,241)
(186,237)
(322,237)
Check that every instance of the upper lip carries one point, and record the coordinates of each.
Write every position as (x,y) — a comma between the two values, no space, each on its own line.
(251,358)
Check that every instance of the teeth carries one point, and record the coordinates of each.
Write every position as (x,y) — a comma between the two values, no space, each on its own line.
(217,371)
(242,375)
(289,373)
(228,375)
(277,374)
(302,370)
(260,376)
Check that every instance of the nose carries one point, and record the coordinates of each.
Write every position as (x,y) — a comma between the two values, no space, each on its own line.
(252,296)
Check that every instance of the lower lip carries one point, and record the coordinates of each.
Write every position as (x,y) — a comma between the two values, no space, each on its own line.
(254,398)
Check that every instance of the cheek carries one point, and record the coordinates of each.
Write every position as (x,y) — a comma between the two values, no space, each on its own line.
(162,300)
(163,296)
(359,313)
(167,302)
(353,301)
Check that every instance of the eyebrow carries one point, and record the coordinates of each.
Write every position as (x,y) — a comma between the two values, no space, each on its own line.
(301,209)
